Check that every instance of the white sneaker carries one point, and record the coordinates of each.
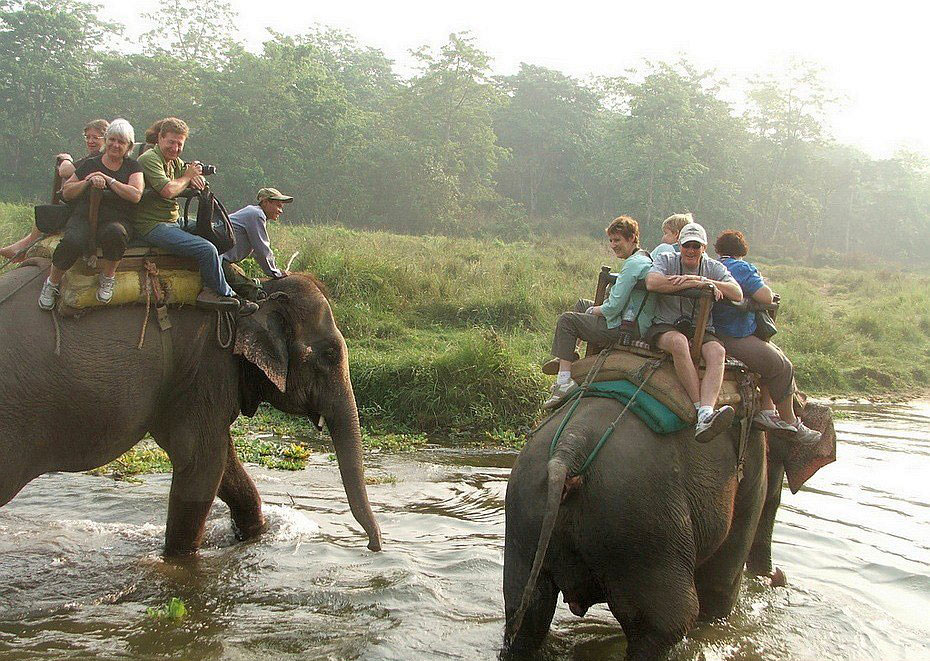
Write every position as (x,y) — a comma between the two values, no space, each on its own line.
(105,288)
(804,435)
(713,425)
(769,421)
(558,393)
(48,295)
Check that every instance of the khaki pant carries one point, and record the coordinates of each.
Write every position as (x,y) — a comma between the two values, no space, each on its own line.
(577,325)
(766,360)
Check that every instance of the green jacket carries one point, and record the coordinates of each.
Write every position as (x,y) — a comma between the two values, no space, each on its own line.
(623,296)
(153,208)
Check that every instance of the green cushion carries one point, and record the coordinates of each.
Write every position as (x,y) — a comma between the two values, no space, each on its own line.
(657,416)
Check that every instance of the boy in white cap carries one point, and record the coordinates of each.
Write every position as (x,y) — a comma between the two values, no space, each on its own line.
(250,227)
(675,319)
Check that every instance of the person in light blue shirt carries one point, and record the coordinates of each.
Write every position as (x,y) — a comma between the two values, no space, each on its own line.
(625,310)
(671,228)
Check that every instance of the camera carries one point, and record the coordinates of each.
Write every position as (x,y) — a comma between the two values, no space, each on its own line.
(205,168)
(684,326)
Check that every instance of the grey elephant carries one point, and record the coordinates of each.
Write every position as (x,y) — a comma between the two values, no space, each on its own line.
(658,527)
(101,394)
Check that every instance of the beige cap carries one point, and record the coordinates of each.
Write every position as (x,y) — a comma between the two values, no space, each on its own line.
(273,194)
(692,232)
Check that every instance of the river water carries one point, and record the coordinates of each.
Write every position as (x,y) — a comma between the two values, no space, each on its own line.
(80,564)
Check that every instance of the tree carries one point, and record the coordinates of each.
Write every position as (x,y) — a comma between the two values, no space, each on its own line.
(547,127)
(192,30)
(47,60)
(785,114)
(675,148)
(446,111)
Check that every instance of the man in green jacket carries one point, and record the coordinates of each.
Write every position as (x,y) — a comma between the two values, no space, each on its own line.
(604,324)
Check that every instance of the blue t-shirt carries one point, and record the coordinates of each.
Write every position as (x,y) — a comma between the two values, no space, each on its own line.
(727,319)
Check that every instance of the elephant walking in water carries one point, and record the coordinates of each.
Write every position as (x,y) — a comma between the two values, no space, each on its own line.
(658,527)
(86,406)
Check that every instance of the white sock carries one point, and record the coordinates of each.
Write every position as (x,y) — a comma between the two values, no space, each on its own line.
(704,412)
(563,377)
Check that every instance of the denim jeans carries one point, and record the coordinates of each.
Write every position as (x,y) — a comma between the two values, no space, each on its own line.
(170,237)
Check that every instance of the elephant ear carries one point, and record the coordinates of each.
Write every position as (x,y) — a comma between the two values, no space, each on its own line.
(261,339)
(803,461)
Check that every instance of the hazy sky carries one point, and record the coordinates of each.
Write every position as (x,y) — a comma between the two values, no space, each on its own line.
(873,55)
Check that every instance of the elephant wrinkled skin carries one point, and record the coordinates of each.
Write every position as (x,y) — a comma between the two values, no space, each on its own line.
(658,527)
(85,407)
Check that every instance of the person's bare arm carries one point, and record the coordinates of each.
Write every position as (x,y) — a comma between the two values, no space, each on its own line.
(729,289)
(65,165)
(763,295)
(192,177)
(132,191)
(669,284)
(73,187)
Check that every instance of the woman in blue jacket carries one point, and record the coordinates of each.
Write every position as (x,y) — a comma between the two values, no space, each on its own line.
(736,331)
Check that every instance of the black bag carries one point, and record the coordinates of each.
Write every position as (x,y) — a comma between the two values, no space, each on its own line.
(765,325)
(213,222)
(52,218)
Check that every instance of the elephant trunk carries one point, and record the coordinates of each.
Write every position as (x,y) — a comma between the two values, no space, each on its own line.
(344,428)
(557,473)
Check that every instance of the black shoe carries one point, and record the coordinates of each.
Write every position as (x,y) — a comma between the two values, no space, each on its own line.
(209,299)
(247,307)
(711,427)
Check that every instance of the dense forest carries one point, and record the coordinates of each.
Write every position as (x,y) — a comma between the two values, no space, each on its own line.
(455,149)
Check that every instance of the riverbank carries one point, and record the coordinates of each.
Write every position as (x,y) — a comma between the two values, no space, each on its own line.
(446,336)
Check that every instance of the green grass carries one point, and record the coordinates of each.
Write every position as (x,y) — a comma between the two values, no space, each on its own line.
(446,335)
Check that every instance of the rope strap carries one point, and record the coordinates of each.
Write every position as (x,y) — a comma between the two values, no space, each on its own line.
(598,364)
(581,393)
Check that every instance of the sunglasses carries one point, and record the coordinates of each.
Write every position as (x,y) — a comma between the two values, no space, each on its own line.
(692,245)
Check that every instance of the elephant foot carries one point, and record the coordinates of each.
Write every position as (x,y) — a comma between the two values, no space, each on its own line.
(250,531)
(777,578)
(576,608)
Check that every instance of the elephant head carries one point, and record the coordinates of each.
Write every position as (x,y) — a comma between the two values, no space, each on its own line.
(295,358)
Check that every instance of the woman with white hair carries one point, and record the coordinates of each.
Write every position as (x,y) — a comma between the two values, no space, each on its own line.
(120,177)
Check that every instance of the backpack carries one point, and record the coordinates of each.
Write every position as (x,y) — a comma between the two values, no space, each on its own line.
(212,222)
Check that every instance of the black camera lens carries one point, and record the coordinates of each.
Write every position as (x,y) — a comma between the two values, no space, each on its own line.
(207,169)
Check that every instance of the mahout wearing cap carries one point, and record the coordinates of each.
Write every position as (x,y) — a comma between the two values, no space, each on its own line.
(273,194)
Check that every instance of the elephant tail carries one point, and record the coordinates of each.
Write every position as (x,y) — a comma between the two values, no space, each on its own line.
(557,473)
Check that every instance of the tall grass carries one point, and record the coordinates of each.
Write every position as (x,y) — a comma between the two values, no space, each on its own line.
(448,334)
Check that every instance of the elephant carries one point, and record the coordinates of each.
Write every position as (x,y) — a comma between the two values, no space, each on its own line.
(658,527)
(90,401)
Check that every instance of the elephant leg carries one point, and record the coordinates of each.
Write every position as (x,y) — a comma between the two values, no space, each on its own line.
(718,578)
(238,491)
(197,467)
(538,616)
(759,562)
(657,614)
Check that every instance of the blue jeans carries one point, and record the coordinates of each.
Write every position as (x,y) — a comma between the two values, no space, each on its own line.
(170,237)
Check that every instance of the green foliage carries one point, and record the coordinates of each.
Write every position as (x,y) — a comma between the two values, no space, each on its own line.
(174,610)
(190,30)
(452,149)
(46,66)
